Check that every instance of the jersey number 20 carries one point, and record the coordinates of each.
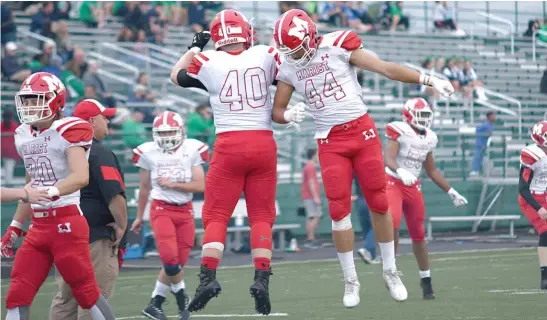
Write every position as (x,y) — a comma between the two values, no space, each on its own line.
(254,86)
(330,88)
(40,171)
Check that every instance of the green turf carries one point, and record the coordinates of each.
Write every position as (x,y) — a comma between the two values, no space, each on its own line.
(480,285)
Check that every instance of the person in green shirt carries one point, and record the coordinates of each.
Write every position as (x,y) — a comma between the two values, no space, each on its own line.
(397,17)
(543,27)
(91,14)
(200,125)
(133,130)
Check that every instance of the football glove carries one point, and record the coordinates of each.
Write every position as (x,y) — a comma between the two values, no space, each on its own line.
(10,237)
(407,177)
(457,198)
(296,113)
(442,86)
(200,40)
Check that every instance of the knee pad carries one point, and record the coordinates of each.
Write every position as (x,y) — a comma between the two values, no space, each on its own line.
(377,200)
(543,240)
(18,313)
(172,269)
(343,224)
(102,310)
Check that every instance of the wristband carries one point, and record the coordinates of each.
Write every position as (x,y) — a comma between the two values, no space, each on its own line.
(195,50)
(16,224)
(425,80)
(53,193)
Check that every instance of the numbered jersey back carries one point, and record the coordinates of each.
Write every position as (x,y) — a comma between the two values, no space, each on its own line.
(175,166)
(238,85)
(44,154)
(329,82)
(413,146)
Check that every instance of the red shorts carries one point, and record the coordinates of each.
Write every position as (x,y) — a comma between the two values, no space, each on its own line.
(407,200)
(60,236)
(174,230)
(242,162)
(539,224)
(353,146)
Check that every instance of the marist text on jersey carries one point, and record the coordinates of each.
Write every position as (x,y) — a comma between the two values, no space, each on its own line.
(313,70)
(34,148)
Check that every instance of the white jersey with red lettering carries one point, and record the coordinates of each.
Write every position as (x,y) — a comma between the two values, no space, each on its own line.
(329,82)
(174,165)
(238,85)
(44,154)
(413,147)
(534,157)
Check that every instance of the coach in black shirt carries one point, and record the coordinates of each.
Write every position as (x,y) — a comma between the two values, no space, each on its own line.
(103,204)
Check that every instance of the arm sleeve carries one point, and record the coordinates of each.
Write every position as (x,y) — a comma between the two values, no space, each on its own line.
(525,177)
(103,168)
(186,81)
(201,155)
(77,133)
(392,132)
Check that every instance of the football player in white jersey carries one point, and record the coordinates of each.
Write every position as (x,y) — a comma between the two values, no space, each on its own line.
(237,77)
(410,146)
(55,151)
(533,191)
(323,69)
(170,172)
(27,194)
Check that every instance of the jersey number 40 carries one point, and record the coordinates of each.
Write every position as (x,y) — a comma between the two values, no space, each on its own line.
(254,86)
(330,88)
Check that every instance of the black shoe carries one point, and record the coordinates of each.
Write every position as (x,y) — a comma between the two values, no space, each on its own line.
(543,284)
(260,291)
(207,289)
(154,310)
(182,302)
(427,288)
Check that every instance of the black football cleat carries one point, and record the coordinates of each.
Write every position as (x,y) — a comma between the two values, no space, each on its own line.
(182,302)
(260,291)
(543,284)
(427,288)
(153,310)
(208,288)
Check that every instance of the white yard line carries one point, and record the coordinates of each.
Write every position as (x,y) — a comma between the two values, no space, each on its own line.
(216,316)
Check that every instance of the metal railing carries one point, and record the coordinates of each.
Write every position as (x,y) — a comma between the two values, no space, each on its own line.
(535,41)
(511,34)
(39,38)
(510,100)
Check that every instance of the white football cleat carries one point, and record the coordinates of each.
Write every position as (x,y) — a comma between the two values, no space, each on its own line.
(394,284)
(351,293)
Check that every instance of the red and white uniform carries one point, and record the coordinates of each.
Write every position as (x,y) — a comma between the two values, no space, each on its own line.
(329,82)
(171,214)
(245,157)
(58,232)
(238,85)
(408,200)
(533,162)
(347,137)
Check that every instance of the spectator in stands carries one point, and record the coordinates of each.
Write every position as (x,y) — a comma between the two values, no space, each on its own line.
(357,16)
(106,99)
(285,6)
(442,16)
(533,25)
(9,29)
(543,83)
(62,40)
(77,64)
(11,68)
(398,20)
(196,16)
(47,60)
(483,133)
(428,64)
(126,35)
(62,9)
(470,81)
(9,153)
(92,14)
(135,19)
(199,124)
(311,198)
(439,65)
(133,130)
(332,13)
(43,16)
(142,80)
(451,72)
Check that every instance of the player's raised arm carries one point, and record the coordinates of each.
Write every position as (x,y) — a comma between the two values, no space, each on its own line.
(397,72)
(438,178)
(186,64)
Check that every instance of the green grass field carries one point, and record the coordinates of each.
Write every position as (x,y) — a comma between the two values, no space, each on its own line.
(478,285)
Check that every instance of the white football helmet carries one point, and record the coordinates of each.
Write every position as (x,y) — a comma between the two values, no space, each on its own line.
(168,131)
(418,113)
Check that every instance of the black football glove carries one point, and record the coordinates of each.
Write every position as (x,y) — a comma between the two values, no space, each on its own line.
(200,40)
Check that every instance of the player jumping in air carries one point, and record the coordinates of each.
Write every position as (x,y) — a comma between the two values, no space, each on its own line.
(533,191)
(171,171)
(55,151)
(323,69)
(237,77)
(410,146)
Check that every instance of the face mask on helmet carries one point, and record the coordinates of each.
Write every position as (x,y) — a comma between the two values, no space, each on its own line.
(169,138)
(34,107)
(423,119)
(299,56)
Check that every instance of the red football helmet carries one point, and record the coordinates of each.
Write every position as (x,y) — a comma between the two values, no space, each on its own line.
(539,133)
(230,26)
(168,131)
(41,96)
(295,35)
(418,114)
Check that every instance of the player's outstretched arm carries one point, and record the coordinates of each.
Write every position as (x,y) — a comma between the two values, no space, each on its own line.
(144,195)
(393,71)
(79,173)
(438,178)
(390,156)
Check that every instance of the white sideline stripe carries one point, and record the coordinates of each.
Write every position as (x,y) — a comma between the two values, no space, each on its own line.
(217,316)
(461,252)
(517,291)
